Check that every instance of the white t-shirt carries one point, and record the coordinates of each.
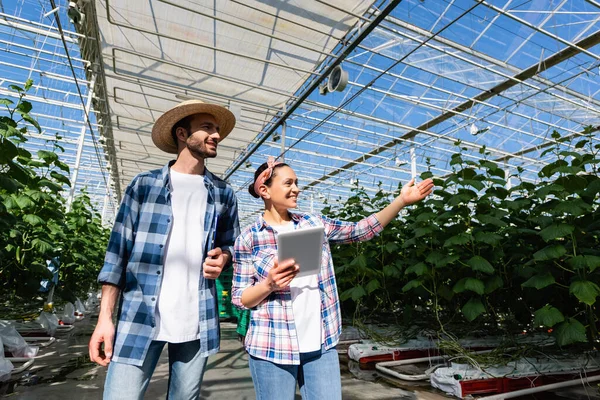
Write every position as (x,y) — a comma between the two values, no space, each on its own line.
(177,308)
(306,305)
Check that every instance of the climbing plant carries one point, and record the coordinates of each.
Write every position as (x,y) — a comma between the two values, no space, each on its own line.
(33,219)
(482,252)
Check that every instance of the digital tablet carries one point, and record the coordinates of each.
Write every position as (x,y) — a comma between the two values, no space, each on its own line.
(303,245)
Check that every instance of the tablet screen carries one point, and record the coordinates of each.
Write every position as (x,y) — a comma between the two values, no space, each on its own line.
(304,245)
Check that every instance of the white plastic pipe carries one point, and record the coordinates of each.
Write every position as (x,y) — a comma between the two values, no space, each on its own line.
(542,388)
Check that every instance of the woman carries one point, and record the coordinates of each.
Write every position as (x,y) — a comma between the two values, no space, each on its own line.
(295,323)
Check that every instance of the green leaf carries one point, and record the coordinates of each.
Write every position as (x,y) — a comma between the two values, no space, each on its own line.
(8,184)
(62,166)
(6,102)
(32,121)
(24,107)
(556,230)
(8,150)
(418,269)
(473,309)
(550,252)
(28,84)
(488,219)
(548,316)
(411,285)
(572,183)
(435,257)
(372,286)
(455,159)
(50,185)
(539,281)
(550,189)
(358,292)
(41,245)
(459,198)
(426,216)
(33,219)
(60,178)
(472,284)
(457,240)
(581,143)
(569,332)
(419,232)
(493,283)
(585,291)
(48,156)
(585,261)
(478,263)
(361,261)
(476,184)
(488,238)
(15,88)
(391,247)
(24,201)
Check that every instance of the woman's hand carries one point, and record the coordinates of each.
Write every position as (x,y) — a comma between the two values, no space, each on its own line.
(279,277)
(412,193)
(281,274)
(409,194)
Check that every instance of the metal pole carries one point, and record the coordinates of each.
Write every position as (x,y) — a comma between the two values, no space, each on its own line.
(105,207)
(413,161)
(88,106)
(282,156)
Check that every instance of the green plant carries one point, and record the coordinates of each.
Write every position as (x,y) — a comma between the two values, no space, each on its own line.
(32,208)
(477,251)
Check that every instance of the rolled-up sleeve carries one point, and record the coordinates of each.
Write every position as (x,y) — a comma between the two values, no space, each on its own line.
(121,239)
(341,232)
(243,270)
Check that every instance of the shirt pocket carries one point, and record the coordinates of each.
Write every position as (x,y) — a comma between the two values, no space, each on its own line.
(263,261)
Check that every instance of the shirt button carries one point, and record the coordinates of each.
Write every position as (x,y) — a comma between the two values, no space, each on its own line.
(157,272)
(154,298)
(160,245)
(169,220)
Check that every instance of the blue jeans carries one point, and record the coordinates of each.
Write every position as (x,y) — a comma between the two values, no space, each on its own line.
(186,369)
(318,377)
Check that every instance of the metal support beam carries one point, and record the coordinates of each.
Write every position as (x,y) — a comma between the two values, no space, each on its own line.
(527,73)
(314,84)
(88,106)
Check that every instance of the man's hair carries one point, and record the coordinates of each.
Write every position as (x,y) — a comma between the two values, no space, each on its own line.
(185,123)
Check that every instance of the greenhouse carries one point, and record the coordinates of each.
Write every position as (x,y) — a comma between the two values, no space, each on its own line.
(483,287)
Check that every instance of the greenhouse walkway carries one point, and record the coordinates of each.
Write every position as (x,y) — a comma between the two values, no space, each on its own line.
(63,371)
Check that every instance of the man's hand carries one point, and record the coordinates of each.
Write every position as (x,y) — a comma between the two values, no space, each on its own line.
(214,263)
(104,333)
(281,274)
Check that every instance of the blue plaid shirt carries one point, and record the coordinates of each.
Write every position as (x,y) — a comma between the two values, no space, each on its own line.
(135,256)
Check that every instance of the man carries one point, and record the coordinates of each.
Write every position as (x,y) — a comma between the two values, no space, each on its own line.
(171,239)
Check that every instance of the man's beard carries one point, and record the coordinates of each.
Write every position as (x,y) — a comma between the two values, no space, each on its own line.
(200,151)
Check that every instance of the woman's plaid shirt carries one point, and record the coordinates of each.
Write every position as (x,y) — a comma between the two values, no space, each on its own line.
(272,333)
(135,255)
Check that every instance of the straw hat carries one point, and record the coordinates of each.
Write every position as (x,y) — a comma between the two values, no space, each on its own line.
(161,132)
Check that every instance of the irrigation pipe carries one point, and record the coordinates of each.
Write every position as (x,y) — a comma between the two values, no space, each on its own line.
(542,388)
(382,366)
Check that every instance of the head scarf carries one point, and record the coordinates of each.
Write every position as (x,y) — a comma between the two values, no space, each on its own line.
(266,174)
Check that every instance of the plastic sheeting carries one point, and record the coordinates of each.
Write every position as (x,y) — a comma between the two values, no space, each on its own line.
(48,321)
(6,366)
(14,343)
